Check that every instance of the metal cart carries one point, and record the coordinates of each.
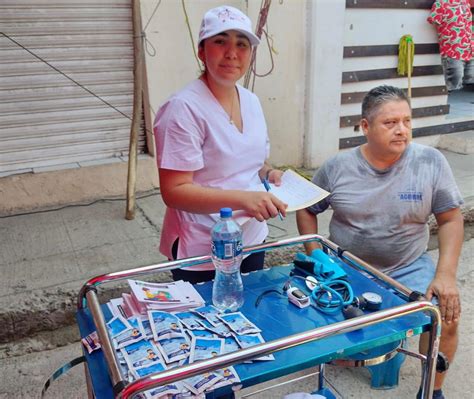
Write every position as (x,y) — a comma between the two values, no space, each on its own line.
(298,338)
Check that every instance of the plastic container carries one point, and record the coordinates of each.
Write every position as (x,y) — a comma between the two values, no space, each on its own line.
(226,236)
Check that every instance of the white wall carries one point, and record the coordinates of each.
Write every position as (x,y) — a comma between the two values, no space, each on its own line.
(282,93)
(325,33)
(365,26)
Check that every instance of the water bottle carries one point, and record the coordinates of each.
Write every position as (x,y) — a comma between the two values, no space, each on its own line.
(226,236)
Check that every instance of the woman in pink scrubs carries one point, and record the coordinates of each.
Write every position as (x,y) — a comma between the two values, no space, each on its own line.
(212,145)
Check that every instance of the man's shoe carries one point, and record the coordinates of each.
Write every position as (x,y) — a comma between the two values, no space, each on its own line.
(437,394)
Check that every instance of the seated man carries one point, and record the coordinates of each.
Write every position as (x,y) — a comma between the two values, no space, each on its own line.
(382,194)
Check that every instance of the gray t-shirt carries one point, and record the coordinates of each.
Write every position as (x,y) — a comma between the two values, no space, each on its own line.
(381,215)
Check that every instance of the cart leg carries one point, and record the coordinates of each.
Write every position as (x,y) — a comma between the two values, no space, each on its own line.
(321,376)
(322,390)
(90,391)
(429,366)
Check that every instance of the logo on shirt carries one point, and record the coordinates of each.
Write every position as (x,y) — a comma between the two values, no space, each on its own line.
(410,196)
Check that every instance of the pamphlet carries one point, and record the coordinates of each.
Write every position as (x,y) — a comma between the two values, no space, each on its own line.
(297,192)
(158,340)
(174,296)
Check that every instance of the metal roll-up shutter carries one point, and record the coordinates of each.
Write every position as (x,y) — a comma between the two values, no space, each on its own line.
(47,119)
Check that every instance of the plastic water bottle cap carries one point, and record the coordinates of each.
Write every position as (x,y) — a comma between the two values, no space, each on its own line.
(226,212)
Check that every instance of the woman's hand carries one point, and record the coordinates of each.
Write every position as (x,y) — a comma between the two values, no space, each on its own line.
(262,206)
(179,191)
(274,176)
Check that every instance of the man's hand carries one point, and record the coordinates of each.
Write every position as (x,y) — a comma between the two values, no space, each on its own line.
(307,224)
(445,289)
(450,239)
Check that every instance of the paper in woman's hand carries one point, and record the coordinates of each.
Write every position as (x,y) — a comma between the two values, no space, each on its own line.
(297,192)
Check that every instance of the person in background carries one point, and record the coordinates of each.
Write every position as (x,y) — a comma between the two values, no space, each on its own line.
(469,68)
(382,194)
(212,145)
(453,22)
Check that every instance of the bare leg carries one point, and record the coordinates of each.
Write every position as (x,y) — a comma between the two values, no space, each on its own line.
(448,345)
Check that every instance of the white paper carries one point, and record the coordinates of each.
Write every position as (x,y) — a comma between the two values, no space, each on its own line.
(174,296)
(297,192)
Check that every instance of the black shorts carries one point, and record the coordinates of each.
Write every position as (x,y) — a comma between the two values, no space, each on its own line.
(249,264)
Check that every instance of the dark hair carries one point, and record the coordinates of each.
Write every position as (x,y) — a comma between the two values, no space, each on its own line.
(380,95)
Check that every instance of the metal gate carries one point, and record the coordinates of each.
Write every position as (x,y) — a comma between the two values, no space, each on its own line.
(66,82)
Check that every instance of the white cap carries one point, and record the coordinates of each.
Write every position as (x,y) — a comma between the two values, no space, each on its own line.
(221,19)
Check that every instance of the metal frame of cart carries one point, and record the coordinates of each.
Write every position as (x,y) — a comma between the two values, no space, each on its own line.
(88,297)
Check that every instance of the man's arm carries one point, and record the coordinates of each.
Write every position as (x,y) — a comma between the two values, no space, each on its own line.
(450,239)
(307,223)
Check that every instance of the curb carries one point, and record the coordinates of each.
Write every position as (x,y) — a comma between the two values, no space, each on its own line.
(49,310)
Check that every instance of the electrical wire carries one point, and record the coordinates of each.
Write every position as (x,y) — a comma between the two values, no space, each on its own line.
(152,15)
(271,50)
(74,205)
(79,84)
(66,76)
(148,45)
(261,23)
(191,35)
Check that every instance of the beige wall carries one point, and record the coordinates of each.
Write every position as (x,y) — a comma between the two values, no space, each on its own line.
(282,93)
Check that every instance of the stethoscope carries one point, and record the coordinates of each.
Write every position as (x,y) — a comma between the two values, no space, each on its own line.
(329,297)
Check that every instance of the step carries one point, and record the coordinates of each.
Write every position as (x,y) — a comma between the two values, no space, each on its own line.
(461,143)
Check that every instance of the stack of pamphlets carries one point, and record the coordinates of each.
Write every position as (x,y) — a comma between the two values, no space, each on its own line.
(159,340)
(174,296)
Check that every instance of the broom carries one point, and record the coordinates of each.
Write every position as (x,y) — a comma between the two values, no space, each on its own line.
(406,53)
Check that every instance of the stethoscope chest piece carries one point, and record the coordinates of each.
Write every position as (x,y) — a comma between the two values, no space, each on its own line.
(373,301)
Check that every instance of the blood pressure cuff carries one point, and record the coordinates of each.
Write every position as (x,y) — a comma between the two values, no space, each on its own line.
(321,265)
